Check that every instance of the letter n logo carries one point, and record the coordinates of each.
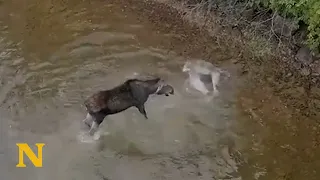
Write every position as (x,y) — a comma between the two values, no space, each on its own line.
(25,148)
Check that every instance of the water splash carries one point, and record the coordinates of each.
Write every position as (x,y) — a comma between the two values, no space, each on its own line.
(84,136)
(204,77)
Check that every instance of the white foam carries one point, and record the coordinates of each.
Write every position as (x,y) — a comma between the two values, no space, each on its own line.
(84,137)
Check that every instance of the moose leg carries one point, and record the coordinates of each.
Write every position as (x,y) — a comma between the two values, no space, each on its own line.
(142,110)
(94,127)
(96,123)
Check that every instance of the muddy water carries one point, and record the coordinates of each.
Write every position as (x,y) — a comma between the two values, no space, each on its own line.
(55,53)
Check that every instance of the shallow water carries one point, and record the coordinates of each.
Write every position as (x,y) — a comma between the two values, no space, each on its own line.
(55,54)
(49,66)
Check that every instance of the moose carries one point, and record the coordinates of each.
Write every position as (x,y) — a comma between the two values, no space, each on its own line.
(134,92)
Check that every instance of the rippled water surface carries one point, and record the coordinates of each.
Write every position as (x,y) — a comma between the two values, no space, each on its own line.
(54,54)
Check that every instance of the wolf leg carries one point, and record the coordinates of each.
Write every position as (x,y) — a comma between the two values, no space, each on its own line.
(215,80)
(88,120)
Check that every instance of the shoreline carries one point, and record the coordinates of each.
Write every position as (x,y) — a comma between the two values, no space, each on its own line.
(261,62)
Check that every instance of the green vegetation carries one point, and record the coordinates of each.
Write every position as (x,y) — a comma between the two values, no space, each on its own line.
(307,11)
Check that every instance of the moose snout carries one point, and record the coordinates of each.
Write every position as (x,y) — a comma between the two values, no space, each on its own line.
(166,90)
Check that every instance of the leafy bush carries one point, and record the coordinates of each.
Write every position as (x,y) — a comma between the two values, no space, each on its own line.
(307,11)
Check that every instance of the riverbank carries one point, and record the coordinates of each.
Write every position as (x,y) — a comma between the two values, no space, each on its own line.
(261,60)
